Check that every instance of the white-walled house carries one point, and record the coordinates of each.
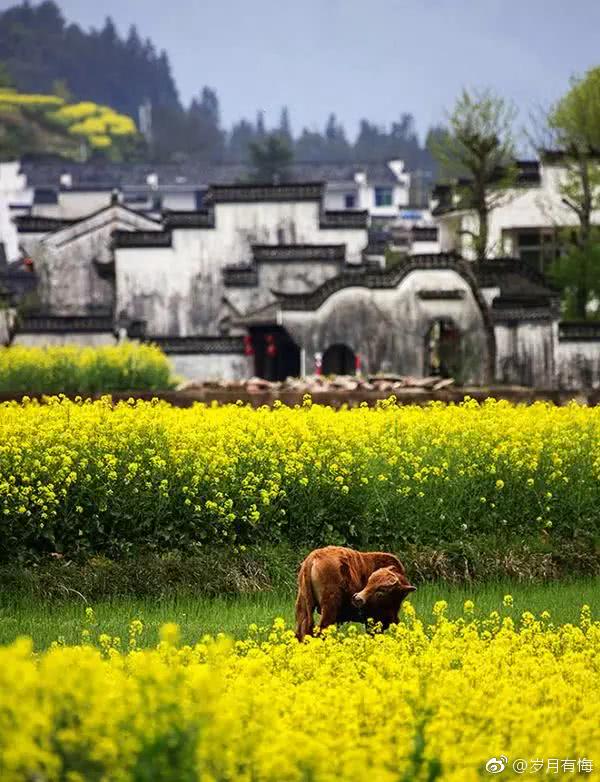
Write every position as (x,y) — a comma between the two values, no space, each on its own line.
(265,278)
(207,269)
(382,190)
(526,224)
(71,190)
(13,196)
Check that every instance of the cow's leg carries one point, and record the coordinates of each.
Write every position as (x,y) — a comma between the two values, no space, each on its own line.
(305,603)
(330,609)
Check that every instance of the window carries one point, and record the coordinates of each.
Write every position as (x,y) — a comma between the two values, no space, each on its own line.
(350,200)
(537,247)
(383,196)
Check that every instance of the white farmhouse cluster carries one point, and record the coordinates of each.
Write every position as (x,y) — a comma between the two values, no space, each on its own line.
(334,271)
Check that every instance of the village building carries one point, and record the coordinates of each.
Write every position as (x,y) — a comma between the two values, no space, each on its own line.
(531,221)
(267,280)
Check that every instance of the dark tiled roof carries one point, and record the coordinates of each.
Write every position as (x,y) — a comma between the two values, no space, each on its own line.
(106,175)
(344,219)
(424,233)
(372,278)
(579,331)
(17,280)
(558,156)
(527,175)
(36,324)
(193,345)
(45,195)
(513,277)
(305,191)
(242,276)
(202,218)
(32,224)
(264,253)
(515,311)
(142,238)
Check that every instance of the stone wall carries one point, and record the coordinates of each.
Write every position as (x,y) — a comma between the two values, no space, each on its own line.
(525,353)
(578,363)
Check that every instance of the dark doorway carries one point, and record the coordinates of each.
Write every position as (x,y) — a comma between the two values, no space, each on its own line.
(443,349)
(339,360)
(276,355)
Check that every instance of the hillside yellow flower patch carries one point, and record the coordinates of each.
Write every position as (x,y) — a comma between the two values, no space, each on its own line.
(420,702)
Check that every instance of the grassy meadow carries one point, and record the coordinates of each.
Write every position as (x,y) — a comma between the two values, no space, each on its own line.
(49,621)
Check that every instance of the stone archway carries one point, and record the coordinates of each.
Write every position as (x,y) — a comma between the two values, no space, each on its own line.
(339,359)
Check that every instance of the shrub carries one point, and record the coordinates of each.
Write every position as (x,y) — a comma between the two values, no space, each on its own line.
(95,478)
(125,367)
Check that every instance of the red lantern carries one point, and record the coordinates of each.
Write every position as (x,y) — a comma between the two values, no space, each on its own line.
(271,346)
(357,364)
(248,347)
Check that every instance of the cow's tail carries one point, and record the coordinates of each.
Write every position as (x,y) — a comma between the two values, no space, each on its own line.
(305,602)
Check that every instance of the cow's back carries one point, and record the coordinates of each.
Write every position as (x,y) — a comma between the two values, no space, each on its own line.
(339,569)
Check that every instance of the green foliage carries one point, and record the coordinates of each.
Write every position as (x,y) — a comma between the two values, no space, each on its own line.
(5,77)
(574,125)
(575,118)
(44,52)
(577,271)
(264,576)
(479,141)
(40,49)
(270,158)
(224,591)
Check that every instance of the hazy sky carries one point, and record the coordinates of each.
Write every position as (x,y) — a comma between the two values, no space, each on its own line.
(361,58)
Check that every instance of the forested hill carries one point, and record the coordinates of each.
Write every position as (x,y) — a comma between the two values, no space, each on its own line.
(42,53)
(41,50)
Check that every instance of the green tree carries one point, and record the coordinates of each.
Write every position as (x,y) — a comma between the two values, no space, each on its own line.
(577,271)
(5,77)
(574,125)
(270,158)
(61,88)
(478,150)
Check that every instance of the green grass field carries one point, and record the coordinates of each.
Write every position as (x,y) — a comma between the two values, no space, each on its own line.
(46,622)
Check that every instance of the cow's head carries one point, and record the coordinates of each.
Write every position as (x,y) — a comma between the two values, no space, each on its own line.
(383,594)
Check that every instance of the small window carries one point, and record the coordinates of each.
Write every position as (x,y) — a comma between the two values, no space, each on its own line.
(383,196)
(538,248)
(350,200)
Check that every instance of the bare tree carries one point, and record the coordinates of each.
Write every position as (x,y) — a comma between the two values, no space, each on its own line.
(478,151)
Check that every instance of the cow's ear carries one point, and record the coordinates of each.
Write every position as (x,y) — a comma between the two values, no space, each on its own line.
(409,588)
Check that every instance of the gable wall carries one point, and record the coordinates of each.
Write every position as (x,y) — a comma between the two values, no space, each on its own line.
(180,291)
(69,283)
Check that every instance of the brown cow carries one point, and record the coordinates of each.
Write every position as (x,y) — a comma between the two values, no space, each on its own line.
(349,586)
